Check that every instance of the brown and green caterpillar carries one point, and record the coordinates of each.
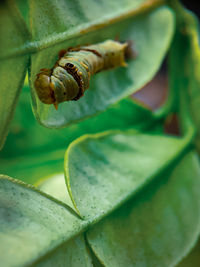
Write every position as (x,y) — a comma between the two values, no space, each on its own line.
(70,76)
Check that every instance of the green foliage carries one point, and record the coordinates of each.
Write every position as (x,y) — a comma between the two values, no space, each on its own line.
(30,149)
(187,78)
(143,30)
(113,188)
(90,160)
(156,227)
(12,70)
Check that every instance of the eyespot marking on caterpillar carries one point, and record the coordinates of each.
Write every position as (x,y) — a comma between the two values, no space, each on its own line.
(70,65)
(70,76)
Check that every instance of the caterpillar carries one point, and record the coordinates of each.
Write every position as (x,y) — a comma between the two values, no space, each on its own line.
(70,76)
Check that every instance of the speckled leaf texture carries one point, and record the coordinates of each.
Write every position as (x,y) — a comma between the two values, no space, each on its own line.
(13,34)
(115,188)
(33,224)
(155,228)
(112,168)
(150,32)
(43,230)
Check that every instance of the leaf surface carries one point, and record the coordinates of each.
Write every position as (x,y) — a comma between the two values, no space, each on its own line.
(55,186)
(104,170)
(158,227)
(184,70)
(32,224)
(13,33)
(56,223)
(28,137)
(150,32)
(33,152)
(74,253)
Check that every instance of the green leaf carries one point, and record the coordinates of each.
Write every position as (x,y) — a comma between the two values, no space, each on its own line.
(168,215)
(30,152)
(185,62)
(28,137)
(73,254)
(31,168)
(13,33)
(137,196)
(68,18)
(158,227)
(44,231)
(192,259)
(32,224)
(55,186)
(23,7)
(110,167)
(151,33)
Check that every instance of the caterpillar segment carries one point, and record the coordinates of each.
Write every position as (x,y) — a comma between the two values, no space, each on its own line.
(70,76)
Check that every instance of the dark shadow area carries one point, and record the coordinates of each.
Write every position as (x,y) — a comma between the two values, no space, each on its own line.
(193,6)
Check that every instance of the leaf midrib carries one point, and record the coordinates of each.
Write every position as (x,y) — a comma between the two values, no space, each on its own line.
(35,46)
(89,222)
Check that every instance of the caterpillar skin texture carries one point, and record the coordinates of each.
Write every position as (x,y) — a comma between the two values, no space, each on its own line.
(70,76)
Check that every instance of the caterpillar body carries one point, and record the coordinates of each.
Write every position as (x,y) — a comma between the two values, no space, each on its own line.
(70,76)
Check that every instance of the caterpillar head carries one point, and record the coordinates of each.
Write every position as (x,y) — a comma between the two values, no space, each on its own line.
(56,86)
(44,87)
